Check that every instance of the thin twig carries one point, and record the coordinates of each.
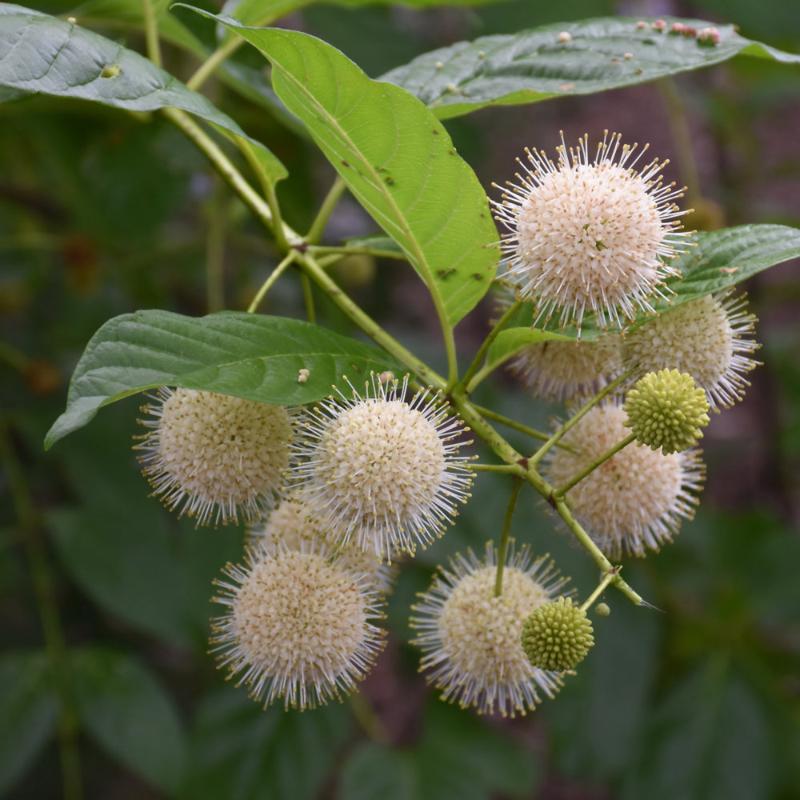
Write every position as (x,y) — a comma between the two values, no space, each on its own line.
(505,535)
(47,603)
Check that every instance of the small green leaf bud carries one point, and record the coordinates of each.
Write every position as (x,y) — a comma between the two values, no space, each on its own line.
(602,609)
(667,410)
(557,635)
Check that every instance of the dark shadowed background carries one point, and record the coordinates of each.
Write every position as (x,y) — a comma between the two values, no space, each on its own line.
(103,212)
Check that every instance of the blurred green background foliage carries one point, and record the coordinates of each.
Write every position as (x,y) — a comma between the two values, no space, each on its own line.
(103,212)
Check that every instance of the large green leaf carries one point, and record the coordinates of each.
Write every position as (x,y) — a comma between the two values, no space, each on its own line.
(129,715)
(241,752)
(40,54)
(395,157)
(721,259)
(707,741)
(458,758)
(716,261)
(28,710)
(535,65)
(246,355)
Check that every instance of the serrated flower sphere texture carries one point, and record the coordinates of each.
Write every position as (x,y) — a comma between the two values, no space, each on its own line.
(216,458)
(298,627)
(590,234)
(557,635)
(381,471)
(470,638)
(293,525)
(710,338)
(636,500)
(667,410)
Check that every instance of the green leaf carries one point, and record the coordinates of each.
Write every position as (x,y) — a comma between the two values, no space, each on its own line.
(458,758)
(721,259)
(511,340)
(534,65)
(241,752)
(245,355)
(395,157)
(709,740)
(378,771)
(40,54)
(129,715)
(28,709)
(137,563)
(600,714)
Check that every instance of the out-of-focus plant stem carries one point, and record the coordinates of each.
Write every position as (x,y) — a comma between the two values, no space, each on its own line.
(55,648)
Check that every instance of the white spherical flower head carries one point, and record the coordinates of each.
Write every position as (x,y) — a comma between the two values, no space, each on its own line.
(710,338)
(213,456)
(382,472)
(471,638)
(634,501)
(294,525)
(590,234)
(559,371)
(298,627)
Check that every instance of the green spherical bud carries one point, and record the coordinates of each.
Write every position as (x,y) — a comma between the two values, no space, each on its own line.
(667,410)
(602,609)
(557,635)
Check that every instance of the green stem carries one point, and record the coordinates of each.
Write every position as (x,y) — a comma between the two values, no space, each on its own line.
(606,567)
(474,368)
(270,282)
(505,535)
(367,718)
(317,274)
(355,250)
(608,578)
(326,209)
(308,297)
(510,423)
(681,136)
(488,413)
(151,32)
(589,468)
(209,66)
(494,468)
(49,617)
(577,417)
(215,253)
(226,169)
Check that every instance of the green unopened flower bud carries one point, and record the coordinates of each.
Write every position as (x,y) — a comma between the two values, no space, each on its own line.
(557,636)
(667,410)
(602,609)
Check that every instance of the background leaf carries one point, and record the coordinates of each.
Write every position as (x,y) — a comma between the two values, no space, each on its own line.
(139,564)
(395,157)
(534,65)
(721,259)
(246,355)
(28,709)
(457,758)
(40,54)
(129,715)
(707,741)
(241,752)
